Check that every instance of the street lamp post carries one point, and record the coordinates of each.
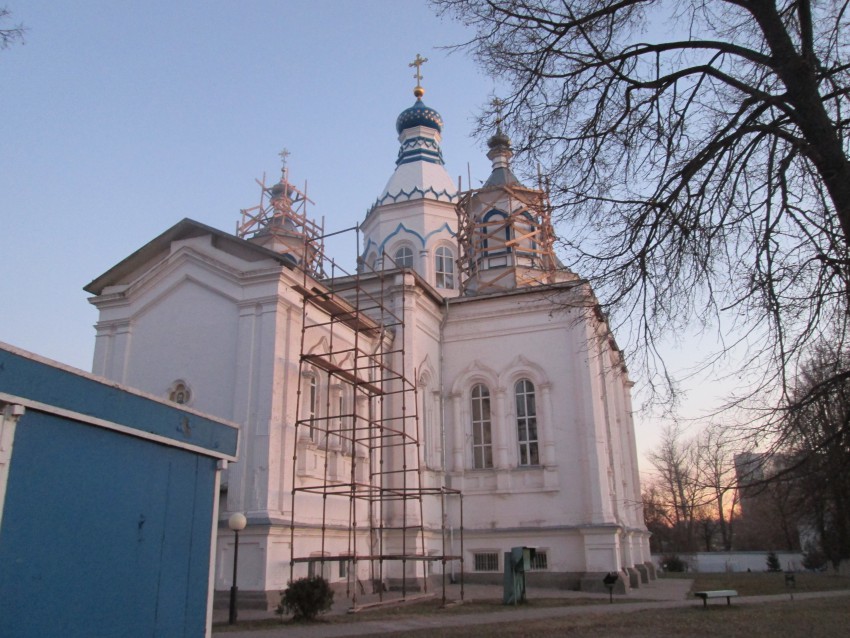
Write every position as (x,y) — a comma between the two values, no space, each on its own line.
(237,523)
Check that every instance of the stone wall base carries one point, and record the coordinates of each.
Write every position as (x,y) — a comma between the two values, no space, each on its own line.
(634,577)
(549,580)
(267,600)
(574,581)
(410,585)
(630,578)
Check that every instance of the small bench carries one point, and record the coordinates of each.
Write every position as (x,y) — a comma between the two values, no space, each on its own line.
(728,594)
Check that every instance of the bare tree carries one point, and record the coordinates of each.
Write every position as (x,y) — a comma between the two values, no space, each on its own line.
(9,35)
(716,458)
(698,155)
(679,487)
(658,516)
(815,450)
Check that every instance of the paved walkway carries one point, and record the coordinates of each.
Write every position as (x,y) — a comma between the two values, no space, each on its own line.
(659,594)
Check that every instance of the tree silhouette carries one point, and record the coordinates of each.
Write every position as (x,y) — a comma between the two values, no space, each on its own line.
(697,154)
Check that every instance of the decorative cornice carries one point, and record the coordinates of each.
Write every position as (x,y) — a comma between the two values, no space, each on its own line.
(414,193)
(445,228)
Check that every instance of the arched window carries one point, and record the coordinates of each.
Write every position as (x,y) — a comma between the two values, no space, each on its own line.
(526,422)
(312,405)
(482,440)
(444,268)
(404,257)
(424,420)
(344,409)
(528,229)
(336,425)
(318,566)
(494,225)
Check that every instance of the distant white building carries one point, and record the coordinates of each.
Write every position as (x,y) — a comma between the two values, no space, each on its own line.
(461,358)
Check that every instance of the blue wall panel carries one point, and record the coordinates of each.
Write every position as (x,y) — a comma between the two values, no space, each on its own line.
(33,379)
(103,534)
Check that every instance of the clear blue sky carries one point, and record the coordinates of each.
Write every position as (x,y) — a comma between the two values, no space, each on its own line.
(121,118)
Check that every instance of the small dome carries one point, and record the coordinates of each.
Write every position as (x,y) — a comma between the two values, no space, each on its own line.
(499,140)
(419,115)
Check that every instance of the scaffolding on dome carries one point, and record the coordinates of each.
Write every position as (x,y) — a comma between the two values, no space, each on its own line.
(524,236)
(357,486)
(281,219)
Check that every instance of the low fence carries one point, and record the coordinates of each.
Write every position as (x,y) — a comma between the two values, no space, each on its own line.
(734,561)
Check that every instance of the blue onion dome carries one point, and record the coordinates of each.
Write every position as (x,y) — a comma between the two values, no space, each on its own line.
(419,115)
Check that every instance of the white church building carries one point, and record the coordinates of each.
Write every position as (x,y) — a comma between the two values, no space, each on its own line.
(458,395)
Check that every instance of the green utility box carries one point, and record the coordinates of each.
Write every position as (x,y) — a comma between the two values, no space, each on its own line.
(517,564)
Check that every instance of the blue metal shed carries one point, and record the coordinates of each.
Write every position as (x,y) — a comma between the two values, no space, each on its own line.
(108,506)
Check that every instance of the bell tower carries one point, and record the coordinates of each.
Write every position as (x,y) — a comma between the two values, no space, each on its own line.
(505,233)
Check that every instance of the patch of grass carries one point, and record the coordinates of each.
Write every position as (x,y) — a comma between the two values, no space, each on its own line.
(425,608)
(820,617)
(787,618)
(431,607)
(762,583)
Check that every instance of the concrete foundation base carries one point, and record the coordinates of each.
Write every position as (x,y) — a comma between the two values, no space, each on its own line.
(266,600)
(634,577)
(570,581)
(409,585)
(630,578)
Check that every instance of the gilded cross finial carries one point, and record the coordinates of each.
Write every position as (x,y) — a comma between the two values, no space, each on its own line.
(283,155)
(498,105)
(418,62)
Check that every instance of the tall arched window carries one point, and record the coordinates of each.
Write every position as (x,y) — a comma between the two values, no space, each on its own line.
(338,439)
(494,225)
(444,267)
(404,257)
(312,405)
(527,229)
(425,422)
(482,441)
(526,421)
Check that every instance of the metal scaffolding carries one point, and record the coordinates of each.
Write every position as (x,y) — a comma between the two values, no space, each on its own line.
(357,488)
(521,234)
(280,222)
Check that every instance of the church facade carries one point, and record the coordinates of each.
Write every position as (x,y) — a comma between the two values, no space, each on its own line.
(458,395)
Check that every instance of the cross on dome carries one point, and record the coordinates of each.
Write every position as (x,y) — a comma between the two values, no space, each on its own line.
(419,114)
(498,105)
(283,155)
(418,62)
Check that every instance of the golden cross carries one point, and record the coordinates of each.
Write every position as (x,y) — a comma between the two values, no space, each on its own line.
(283,155)
(418,62)
(498,105)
